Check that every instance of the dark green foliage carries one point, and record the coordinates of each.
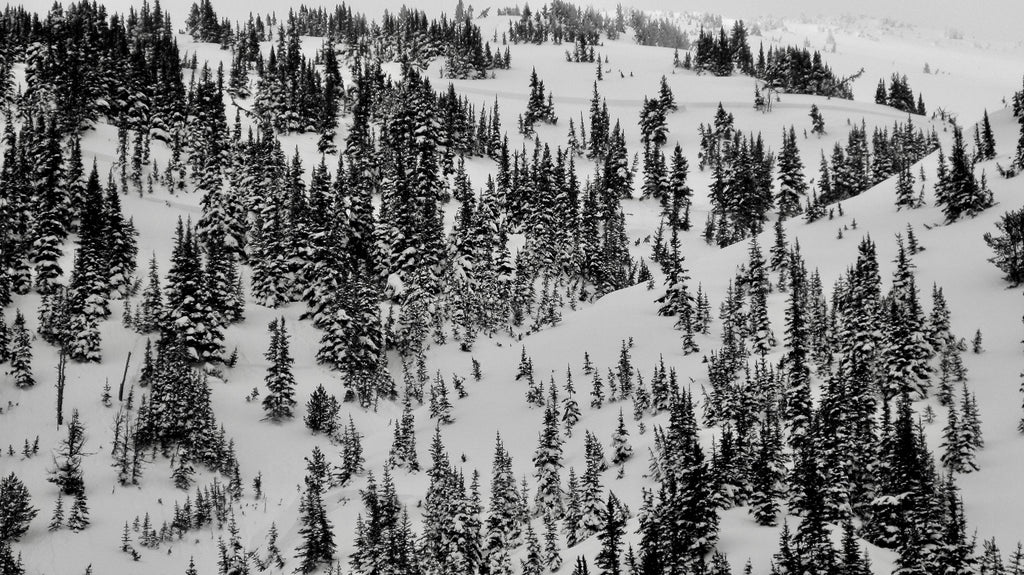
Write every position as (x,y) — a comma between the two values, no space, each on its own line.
(67,470)
(317,533)
(609,560)
(792,187)
(189,313)
(20,352)
(957,190)
(16,511)
(279,401)
(1009,246)
(322,412)
(817,121)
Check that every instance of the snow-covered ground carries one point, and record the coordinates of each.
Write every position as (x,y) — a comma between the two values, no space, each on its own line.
(967,77)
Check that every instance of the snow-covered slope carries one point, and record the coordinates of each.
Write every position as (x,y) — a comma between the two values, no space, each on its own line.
(955,258)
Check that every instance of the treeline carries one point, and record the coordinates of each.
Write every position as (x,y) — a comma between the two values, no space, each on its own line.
(406,36)
(788,69)
(562,21)
(84,65)
(857,457)
(861,163)
(899,95)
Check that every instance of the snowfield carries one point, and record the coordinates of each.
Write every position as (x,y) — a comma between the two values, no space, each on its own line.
(968,77)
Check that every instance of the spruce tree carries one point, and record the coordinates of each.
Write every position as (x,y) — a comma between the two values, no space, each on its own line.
(21,353)
(16,511)
(547,462)
(78,519)
(151,309)
(57,519)
(609,559)
(906,196)
(987,150)
(552,553)
(67,470)
(792,187)
(352,458)
(322,412)
(279,400)
(958,191)
(817,121)
(318,544)
(621,449)
(1009,246)
(533,563)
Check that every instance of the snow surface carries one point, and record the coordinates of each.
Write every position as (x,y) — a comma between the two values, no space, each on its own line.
(972,77)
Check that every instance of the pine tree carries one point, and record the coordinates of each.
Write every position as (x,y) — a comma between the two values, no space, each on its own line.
(547,461)
(987,150)
(352,458)
(67,471)
(1009,246)
(57,519)
(533,564)
(817,121)
(621,449)
(21,353)
(79,516)
(440,405)
(16,511)
(5,339)
(570,408)
(322,412)
(188,311)
(597,391)
(403,448)
(609,559)
(792,187)
(182,475)
(317,533)
(768,472)
(280,400)
(906,196)
(552,553)
(958,192)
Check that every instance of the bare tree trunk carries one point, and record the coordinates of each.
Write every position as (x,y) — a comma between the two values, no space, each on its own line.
(61,363)
(124,376)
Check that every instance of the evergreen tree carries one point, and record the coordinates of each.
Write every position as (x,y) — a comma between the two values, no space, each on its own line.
(958,192)
(57,519)
(906,196)
(792,187)
(150,311)
(503,529)
(570,408)
(352,458)
(1009,246)
(322,412)
(21,353)
(189,313)
(78,519)
(547,462)
(552,553)
(609,560)
(987,150)
(67,471)
(280,400)
(317,533)
(16,511)
(621,449)
(533,564)
(403,448)
(817,121)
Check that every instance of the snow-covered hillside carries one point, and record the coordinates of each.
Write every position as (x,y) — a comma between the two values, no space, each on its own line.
(967,79)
